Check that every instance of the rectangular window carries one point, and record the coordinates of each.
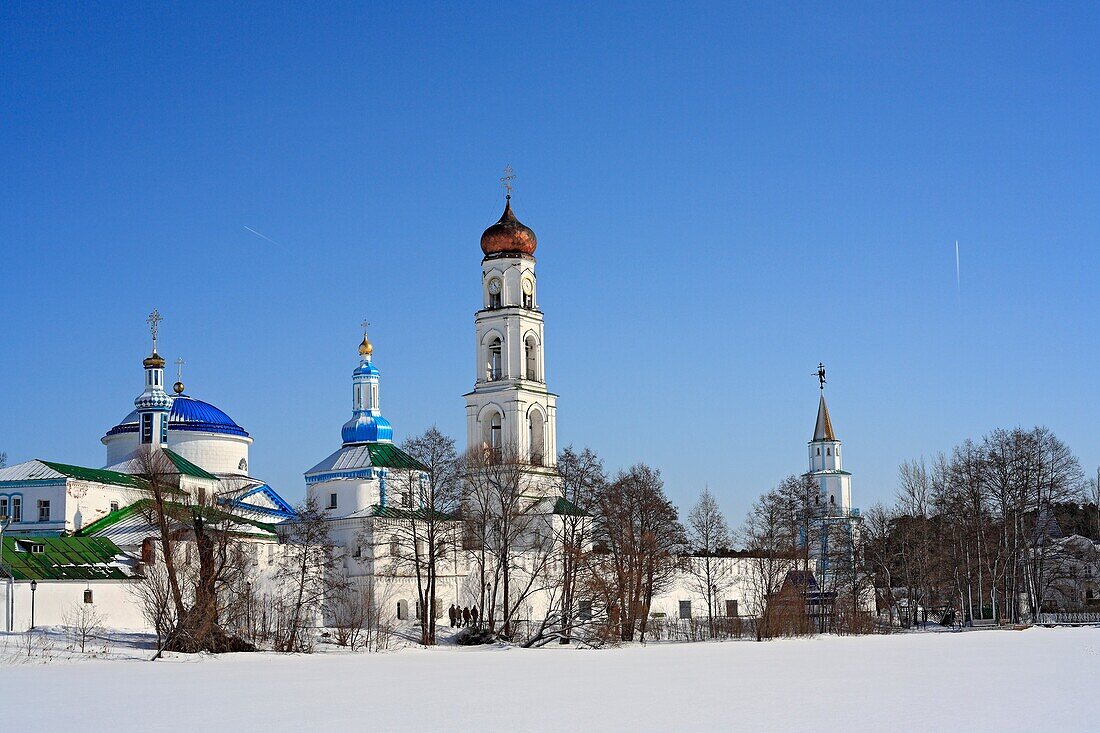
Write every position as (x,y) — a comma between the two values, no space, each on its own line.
(114,506)
(685,609)
(731,608)
(332,501)
(37,549)
(17,509)
(4,506)
(584,610)
(395,548)
(43,510)
(88,596)
(147,427)
(164,429)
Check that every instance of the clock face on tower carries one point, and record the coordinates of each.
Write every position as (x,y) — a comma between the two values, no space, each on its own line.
(494,286)
(528,287)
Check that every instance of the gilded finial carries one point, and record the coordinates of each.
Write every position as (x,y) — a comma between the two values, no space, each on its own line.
(178,386)
(366,348)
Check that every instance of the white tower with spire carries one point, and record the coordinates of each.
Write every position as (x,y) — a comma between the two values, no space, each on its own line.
(510,410)
(826,463)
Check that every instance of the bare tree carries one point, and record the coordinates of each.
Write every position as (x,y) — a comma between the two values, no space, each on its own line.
(507,527)
(770,553)
(85,624)
(153,593)
(307,575)
(881,555)
(581,477)
(183,519)
(707,536)
(424,534)
(637,534)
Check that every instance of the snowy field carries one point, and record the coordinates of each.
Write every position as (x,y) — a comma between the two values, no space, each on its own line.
(1003,681)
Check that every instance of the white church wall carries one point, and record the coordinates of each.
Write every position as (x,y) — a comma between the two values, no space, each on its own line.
(120,447)
(352,495)
(72,505)
(56,600)
(738,583)
(212,452)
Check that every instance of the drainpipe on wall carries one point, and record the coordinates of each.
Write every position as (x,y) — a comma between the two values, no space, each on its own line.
(9,611)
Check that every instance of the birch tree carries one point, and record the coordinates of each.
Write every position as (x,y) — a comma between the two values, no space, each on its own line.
(707,536)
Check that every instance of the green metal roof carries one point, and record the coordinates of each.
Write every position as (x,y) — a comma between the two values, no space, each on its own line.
(63,558)
(179,512)
(99,475)
(568,508)
(117,515)
(392,512)
(186,467)
(390,456)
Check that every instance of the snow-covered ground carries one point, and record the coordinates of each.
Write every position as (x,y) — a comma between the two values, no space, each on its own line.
(1039,679)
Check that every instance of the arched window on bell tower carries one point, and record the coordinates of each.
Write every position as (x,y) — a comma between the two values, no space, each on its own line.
(536,437)
(495,364)
(531,358)
(492,436)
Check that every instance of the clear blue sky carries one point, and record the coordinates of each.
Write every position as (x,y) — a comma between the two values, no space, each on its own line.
(722,196)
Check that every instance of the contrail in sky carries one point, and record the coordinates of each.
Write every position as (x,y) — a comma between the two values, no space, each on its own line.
(264,236)
(958,279)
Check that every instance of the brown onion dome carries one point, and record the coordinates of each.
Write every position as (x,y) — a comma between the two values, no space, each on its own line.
(153,360)
(509,235)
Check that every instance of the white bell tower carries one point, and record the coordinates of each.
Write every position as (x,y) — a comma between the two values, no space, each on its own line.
(826,464)
(510,410)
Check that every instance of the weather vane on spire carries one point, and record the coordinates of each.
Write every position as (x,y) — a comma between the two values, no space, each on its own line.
(821,375)
(154,320)
(506,181)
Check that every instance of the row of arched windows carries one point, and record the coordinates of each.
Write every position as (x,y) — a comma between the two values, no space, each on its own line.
(494,364)
(493,435)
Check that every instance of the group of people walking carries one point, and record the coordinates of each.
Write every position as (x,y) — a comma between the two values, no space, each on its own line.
(462,616)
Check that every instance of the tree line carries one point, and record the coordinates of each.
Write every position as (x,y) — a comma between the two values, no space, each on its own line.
(969,537)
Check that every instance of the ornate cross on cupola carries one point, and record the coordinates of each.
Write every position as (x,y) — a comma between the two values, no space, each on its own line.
(178,386)
(366,348)
(154,320)
(506,181)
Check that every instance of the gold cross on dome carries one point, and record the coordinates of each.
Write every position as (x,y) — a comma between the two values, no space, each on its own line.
(365,324)
(507,179)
